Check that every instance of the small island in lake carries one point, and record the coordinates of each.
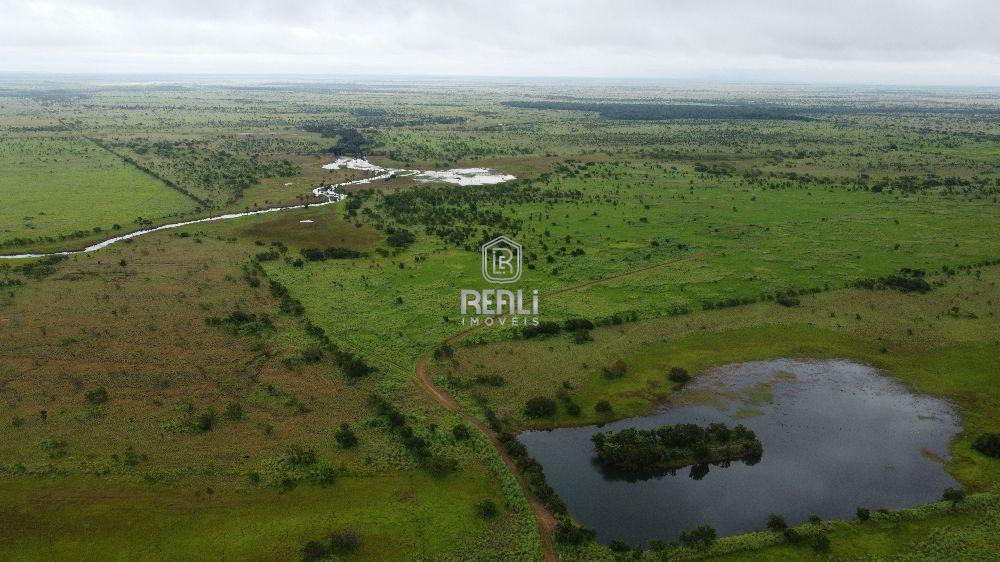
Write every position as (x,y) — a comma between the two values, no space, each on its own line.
(635,450)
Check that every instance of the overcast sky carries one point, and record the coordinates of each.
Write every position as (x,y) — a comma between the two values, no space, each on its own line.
(877,41)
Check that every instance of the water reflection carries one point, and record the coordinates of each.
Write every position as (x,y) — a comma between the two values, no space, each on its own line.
(836,436)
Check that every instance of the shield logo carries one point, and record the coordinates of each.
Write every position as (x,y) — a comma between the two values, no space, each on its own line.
(501,260)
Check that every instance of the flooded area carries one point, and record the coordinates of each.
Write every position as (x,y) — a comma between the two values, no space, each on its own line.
(333,194)
(458,176)
(836,436)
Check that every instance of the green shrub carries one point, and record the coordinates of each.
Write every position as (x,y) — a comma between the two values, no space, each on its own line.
(487,509)
(619,546)
(460,431)
(345,437)
(540,407)
(399,237)
(776,523)
(314,550)
(702,536)
(602,407)
(98,395)
(490,380)
(616,371)
(444,352)
(568,532)
(542,329)
(953,495)
(791,535)
(820,542)
(234,411)
(788,300)
(988,444)
(574,324)
(678,375)
(344,541)
(205,421)
(440,465)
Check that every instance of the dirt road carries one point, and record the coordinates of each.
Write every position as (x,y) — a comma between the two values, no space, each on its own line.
(546,521)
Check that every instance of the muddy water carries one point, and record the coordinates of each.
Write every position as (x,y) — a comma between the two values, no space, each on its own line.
(836,436)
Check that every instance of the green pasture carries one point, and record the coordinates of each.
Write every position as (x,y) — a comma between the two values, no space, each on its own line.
(62,185)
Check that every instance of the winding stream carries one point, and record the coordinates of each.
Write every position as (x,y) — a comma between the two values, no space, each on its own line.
(333,194)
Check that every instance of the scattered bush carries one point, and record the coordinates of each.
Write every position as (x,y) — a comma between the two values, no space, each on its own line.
(336,253)
(542,329)
(487,509)
(490,380)
(540,407)
(791,535)
(234,411)
(331,253)
(788,300)
(205,421)
(312,254)
(461,432)
(863,514)
(440,465)
(98,395)
(619,546)
(988,444)
(907,280)
(602,407)
(568,532)
(314,550)
(574,324)
(678,375)
(345,437)
(953,495)
(399,237)
(55,448)
(444,352)
(615,371)
(700,537)
(582,336)
(354,367)
(344,542)
(776,523)
(820,542)
(242,323)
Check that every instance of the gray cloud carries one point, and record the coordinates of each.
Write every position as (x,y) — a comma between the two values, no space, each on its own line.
(914,41)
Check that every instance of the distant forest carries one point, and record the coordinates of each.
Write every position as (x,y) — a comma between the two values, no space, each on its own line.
(349,141)
(661,112)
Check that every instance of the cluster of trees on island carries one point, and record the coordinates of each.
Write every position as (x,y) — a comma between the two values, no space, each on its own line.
(641,451)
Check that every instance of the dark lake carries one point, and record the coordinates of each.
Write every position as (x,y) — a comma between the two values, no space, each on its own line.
(836,436)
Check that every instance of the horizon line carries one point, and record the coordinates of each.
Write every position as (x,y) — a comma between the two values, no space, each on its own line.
(486,77)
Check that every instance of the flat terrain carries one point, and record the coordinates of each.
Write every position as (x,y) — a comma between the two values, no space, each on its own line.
(59,186)
(185,393)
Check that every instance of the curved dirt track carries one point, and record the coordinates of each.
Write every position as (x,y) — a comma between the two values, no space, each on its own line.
(546,521)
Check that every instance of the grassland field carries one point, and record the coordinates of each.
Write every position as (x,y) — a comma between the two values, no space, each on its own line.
(216,433)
